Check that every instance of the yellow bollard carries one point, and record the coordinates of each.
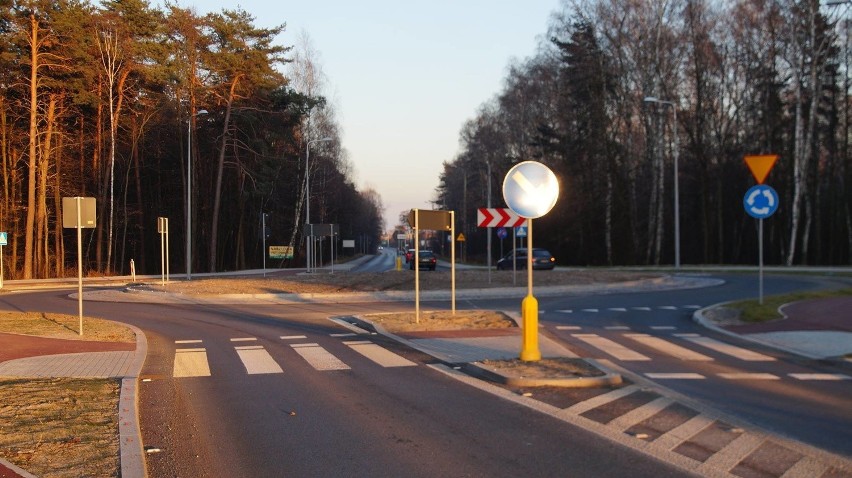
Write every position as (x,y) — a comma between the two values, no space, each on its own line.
(529,317)
(398,263)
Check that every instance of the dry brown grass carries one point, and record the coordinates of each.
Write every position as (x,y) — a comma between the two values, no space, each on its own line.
(442,320)
(63,326)
(60,427)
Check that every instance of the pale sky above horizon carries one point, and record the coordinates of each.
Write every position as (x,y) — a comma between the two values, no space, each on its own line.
(405,76)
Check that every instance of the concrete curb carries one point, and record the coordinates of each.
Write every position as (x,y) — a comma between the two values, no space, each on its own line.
(132,456)
(480,370)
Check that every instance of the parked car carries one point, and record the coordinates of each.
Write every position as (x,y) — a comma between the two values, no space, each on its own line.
(408,255)
(542,260)
(427,261)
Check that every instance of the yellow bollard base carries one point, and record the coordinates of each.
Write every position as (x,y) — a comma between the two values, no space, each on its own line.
(529,318)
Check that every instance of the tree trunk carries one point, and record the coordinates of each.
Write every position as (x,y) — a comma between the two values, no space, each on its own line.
(217,192)
(32,164)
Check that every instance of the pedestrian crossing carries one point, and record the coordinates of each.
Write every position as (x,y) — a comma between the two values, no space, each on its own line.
(256,359)
(621,343)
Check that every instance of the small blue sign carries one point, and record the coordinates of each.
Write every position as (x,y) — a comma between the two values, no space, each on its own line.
(3,239)
(521,231)
(760,201)
(501,232)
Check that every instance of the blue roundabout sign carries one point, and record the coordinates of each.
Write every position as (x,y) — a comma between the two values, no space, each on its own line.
(760,201)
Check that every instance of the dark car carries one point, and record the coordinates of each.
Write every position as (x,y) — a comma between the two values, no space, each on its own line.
(427,261)
(542,260)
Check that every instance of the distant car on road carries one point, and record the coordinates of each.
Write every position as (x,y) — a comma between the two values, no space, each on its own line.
(542,260)
(427,261)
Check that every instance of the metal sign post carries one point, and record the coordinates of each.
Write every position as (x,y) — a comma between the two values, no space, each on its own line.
(760,202)
(3,241)
(79,212)
(438,221)
(530,189)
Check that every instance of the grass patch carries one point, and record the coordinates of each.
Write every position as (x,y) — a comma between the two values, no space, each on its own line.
(752,312)
(64,326)
(60,427)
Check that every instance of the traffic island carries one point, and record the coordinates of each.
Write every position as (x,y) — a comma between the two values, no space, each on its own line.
(563,372)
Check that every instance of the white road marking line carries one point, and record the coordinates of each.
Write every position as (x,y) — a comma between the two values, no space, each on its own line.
(565,311)
(590,310)
(617,309)
(728,349)
(643,309)
(692,307)
(608,346)
(188,341)
(257,360)
(191,363)
(617,327)
(663,327)
(319,358)
(292,337)
(380,355)
(820,376)
(667,307)
(676,376)
(348,334)
(749,376)
(568,327)
(244,339)
(669,348)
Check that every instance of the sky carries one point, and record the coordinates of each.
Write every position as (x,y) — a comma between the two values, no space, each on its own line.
(404,76)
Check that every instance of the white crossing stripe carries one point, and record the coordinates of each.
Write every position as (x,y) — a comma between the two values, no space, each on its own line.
(667,307)
(191,363)
(292,337)
(378,354)
(749,376)
(617,327)
(568,327)
(669,348)
(727,349)
(565,311)
(257,360)
(617,309)
(820,376)
(676,376)
(244,339)
(643,309)
(319,358)
(608,346)
(347,334)
(590,310)
(692,307)
(663,327)
(187,341)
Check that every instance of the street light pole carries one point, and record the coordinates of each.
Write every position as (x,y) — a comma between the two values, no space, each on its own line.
(309,246)
(651,99)
(189,193)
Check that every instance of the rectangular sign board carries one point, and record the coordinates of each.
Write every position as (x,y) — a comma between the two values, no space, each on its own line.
(350,243)
(87,212)
(3,239)
(280,252)
(322,229)
(431,220)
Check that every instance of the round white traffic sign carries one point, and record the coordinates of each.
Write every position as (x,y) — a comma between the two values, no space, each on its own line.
(530,189)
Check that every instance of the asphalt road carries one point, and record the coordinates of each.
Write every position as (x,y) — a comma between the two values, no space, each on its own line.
(759,389)
(390,415)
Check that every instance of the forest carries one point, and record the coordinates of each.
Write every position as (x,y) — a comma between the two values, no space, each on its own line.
(161,112)
(620,90)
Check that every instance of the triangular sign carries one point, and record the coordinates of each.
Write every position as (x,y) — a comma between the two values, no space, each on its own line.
(761,165)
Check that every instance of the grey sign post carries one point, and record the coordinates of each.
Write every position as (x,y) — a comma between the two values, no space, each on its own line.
(78,213)
(3,242)
(436,221)
(163,229)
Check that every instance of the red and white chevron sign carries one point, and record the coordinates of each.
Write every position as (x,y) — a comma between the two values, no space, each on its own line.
(498,217)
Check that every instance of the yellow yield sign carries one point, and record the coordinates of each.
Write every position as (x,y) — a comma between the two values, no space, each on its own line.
(461,237)
(760,165)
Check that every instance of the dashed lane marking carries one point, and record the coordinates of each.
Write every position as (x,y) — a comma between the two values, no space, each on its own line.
(379,355)
(663,327)
(675,376)
(293,337)
(188,341)
(612,348)
(617,327)
(820,376)
(669,348)
(244,339)
(191,363)
(568,327)
(257,360)
(319,358)
(749,376)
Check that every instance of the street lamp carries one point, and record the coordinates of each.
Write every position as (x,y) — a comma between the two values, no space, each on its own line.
(189,193)
(308,199)
(652,99)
